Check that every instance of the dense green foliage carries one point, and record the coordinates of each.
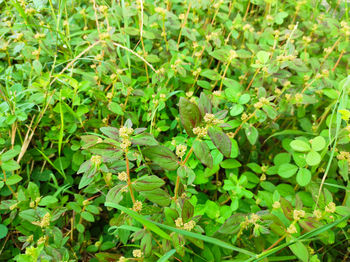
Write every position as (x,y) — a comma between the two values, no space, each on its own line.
(174,130)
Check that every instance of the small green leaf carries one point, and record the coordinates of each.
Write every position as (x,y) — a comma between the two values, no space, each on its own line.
(13,180)
(263,56)
(186,172)
(48,200)
(211,74)
(236,110)
(318,143)
(3,231)
(313,158)
(10,153)
(230,164)
(187,211)
(300,250)
(303,176)
(300,146)
(87,216)
(287,170)
(252,134)
(10,165)
(116,108)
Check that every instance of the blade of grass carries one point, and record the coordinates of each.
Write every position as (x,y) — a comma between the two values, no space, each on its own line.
(60,137)
(306,236)
(147,223)
(289,132)
(167,255)
(207,239)
(341,101)
(52,164)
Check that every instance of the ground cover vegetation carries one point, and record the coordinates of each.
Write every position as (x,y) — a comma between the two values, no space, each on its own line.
(174,130)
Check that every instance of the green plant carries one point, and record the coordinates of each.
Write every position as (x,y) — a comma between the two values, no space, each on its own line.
(174,130)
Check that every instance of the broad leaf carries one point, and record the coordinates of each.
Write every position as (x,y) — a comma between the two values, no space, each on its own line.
(221,141)
(115,194)
(157,196)
(202,152)
(147,183)
(189,115)
(144,139)
(161,156)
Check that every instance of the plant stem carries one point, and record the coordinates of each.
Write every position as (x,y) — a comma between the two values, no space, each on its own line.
(276,243)
(5,178)
(183,24)
(129,180)
(178,177)
(176,187)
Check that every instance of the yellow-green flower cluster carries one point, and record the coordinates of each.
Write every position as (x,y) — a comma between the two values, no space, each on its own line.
(124,133)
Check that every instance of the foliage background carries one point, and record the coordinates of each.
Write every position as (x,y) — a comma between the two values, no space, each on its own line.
(273,73)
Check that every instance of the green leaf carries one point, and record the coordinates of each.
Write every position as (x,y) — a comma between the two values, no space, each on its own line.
(48,200)
(10,165)
(144,139)
(287,170)
(252,134)
(10,153)
(221,141)
(147,223)
(115,194)
(157,196)
(115,108)
(37,66)
(87,216)
(147,183)
(13,180)
(211,240)
(318,143)
(111,132)
(211,74)
(263,57)
(313,158)
(190,115)
(236,110)
(3,231)
(300,146)
(186,172)
(187,211)
(202,152)
(299,159)
(289,132)
(300,250)
(167,256)
(161,156)
(88,141)
(230,164)
(303,176)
